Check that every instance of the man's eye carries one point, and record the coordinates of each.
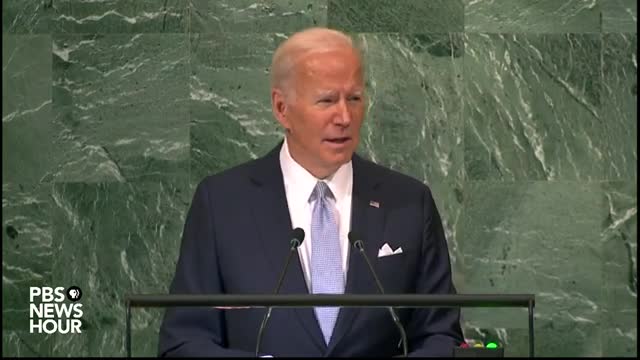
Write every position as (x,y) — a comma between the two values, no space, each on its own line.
(355,98)
(326,100)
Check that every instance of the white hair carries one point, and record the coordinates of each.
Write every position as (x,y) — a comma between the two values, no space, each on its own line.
(315,39)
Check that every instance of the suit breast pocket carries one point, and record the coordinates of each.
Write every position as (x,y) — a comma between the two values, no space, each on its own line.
(395,272)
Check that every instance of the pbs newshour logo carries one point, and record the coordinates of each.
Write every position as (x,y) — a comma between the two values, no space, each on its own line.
(49,313)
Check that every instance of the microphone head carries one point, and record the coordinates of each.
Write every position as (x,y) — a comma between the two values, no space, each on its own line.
(297,236)
(354,239)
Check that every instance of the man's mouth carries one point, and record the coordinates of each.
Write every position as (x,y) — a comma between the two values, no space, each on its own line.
(338,140)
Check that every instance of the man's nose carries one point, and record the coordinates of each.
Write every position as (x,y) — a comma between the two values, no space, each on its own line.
(344,114)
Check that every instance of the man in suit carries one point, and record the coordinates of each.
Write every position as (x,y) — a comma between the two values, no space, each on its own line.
(236,237)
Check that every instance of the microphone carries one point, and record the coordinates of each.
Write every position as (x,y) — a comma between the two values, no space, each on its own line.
(357,242)
(297,236)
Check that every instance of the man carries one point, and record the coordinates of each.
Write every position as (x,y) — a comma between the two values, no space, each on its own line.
(236,236)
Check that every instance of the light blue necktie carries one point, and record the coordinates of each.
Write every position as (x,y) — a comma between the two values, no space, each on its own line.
(326,262)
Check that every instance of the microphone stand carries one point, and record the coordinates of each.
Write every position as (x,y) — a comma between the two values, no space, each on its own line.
(403,335)
(295,242)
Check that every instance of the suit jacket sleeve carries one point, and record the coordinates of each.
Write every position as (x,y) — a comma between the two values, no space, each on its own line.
(434,331)
(191,331)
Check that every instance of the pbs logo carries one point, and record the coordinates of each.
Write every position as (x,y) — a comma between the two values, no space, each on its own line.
(50,313)
(74,293)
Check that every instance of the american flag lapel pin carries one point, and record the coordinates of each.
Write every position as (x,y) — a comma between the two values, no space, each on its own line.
(375,204)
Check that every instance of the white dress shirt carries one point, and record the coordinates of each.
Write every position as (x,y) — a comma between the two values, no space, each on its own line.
(299,185)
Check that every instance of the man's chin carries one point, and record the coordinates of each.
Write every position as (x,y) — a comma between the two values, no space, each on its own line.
(340,159)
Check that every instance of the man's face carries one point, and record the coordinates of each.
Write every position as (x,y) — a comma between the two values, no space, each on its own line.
(327,110)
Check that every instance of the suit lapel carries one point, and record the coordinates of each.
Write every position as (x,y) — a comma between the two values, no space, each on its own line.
(272,217)
(367,221)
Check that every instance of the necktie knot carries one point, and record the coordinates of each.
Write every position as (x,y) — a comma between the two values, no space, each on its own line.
(321,191)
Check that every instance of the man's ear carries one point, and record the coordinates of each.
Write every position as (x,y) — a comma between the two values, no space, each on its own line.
(279,107)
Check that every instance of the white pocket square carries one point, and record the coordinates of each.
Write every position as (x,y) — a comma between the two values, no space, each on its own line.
(385,250)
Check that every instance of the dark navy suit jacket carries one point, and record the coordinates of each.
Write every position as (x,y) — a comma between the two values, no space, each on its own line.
(236,240)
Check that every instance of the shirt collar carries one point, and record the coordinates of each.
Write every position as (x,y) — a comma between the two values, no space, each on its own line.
(300,183)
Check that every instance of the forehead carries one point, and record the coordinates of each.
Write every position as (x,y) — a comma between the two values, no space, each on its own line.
(337,67)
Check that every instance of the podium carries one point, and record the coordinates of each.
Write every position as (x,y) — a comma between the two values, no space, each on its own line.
(226,301)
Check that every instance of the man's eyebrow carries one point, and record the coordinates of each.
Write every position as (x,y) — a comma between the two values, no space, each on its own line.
(358,91)
(325,92)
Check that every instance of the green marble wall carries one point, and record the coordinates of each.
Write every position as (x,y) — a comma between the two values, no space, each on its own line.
(520,114)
